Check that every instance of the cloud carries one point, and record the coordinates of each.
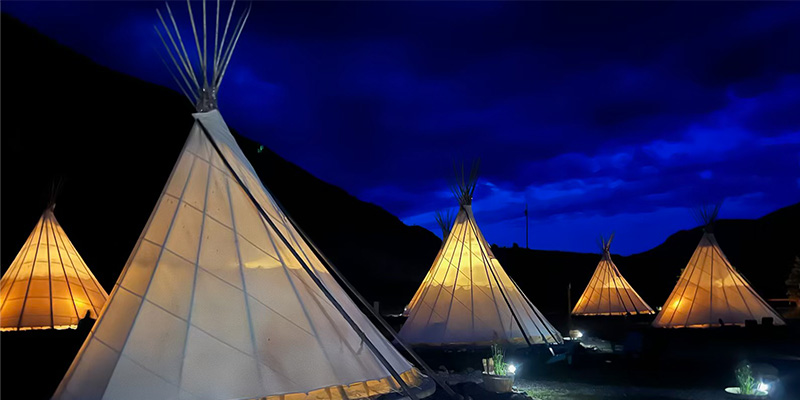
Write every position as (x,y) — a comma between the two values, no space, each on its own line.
(599,116)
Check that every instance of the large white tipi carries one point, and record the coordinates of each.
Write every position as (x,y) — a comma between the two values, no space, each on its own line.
(608,293)
(467,299)
(710,292)
(222,298)
(48,285)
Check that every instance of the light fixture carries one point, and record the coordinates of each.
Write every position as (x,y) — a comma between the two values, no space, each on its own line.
(579,334)
(513,368)
(763,387)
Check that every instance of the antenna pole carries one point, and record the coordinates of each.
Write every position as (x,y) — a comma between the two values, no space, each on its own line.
(569,306)
(526,226)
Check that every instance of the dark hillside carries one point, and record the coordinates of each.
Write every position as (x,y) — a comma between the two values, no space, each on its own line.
(114,139)
(762,250)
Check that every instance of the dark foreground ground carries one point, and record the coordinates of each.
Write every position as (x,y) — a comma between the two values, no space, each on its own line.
(642,363)
(469,384)
(634,362)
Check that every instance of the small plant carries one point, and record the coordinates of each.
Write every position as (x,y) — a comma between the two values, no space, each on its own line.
(747,383)
(498,358)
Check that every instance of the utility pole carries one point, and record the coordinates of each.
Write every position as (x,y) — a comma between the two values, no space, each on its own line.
(569,306)
(526,225)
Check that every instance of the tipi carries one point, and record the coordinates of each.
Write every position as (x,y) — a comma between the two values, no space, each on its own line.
(710,292)
(221,297)
(48,285)
(467,298)
(608,293)
(445,221)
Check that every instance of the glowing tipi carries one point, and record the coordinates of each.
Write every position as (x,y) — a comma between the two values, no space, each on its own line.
(710,292)
(608,293)
(221,297)
(48,285)
(467,298)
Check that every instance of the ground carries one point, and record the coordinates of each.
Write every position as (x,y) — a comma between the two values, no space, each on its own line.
(667,365)
(554,390)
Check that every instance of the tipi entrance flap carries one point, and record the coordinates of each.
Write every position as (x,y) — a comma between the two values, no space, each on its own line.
(710,292)
(48,285)
(214,286)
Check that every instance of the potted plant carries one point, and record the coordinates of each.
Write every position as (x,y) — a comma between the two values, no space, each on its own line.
(498,376)
(749,387)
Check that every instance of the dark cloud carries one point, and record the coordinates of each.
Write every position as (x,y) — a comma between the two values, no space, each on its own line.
(601,116)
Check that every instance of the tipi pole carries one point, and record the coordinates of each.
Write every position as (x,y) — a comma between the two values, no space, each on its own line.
(616,288)
(365,304)
(616,276)
(30,278)
(747,285)
(536,312)
(630,298)
(311,273)
(64,269)
(569,306)
(500,286)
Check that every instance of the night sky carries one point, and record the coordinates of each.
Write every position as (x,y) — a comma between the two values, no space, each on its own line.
(603,117)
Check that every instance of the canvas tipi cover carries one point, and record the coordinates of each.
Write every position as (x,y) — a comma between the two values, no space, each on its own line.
(445,221)
(710,292)
(218,300)
(48,285)
(468,299)
(608,293)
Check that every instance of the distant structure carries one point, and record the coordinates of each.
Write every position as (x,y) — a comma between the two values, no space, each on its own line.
(710,292)
(467,298)
(222,297)
(608,293)
(48,285)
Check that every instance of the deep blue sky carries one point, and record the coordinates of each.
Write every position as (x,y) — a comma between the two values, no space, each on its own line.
(602,116)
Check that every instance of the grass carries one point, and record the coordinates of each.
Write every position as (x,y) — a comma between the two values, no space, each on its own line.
(542,393)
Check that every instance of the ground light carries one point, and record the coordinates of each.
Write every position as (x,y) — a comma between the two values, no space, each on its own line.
(513,369)
(575,334)
(763,387)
